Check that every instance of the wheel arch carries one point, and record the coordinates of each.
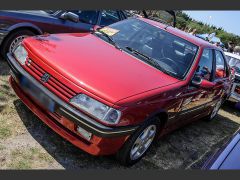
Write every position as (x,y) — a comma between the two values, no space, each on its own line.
(162,116)
(21,26)
(25,25)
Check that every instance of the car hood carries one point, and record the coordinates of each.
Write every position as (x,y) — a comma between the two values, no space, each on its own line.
(97,66)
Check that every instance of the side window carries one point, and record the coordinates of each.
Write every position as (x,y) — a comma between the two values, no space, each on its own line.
(109,17)
(220,66)
(205,65)
(89,17)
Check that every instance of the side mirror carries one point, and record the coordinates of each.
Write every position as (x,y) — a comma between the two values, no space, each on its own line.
(95,28)
(70,16)
(196,81)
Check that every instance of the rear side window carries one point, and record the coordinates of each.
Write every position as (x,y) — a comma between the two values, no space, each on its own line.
(109,17)
(89,17)
(205,65)
(220,66)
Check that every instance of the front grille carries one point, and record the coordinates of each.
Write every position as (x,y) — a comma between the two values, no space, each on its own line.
(52,84)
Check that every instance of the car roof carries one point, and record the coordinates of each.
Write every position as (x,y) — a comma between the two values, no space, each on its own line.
(193,39)
(232,55)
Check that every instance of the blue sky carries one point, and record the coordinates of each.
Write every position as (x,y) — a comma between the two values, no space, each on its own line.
(228,20)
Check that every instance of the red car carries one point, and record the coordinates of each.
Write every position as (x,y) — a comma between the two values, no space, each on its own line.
(114,91)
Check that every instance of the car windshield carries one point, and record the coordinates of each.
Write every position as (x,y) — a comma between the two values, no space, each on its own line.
(234,63)
(159,48)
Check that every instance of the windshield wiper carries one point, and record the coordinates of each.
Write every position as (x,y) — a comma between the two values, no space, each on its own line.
(110,39)
(149,60)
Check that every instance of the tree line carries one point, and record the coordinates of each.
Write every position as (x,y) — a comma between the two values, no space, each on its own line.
(184,20)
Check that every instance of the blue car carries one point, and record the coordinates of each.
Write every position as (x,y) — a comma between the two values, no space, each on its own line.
(16,25)
(227,157)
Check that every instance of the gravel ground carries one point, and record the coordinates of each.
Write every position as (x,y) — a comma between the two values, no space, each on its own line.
(27,143)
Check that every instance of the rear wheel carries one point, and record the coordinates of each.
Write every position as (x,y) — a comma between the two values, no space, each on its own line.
(13,40)
(139,143)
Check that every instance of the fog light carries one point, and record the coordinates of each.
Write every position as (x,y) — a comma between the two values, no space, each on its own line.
(84,133)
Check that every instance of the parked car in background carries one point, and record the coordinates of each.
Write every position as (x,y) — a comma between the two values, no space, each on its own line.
(228,157)
(212,38)
(234,62)
(16,25)
(116,90)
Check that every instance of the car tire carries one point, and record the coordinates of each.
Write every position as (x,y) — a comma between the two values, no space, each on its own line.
(125,156)
(13,39)
(215,110)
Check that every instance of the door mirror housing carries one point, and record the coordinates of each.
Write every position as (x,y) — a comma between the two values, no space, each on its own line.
(70,16)
(95,28)
(196,81)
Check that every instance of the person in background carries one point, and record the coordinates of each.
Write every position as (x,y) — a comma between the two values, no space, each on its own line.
(230,46)
(193,32)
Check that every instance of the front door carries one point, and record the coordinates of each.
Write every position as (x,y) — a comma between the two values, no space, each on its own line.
(195,98)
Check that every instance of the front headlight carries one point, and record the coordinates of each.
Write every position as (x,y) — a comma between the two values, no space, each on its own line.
(20,54)
(97,109)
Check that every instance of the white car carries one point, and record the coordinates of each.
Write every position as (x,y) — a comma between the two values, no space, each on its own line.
(234,62)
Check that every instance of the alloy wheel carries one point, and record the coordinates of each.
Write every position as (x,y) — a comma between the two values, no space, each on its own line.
(216,108)
(143,142)
(16,42)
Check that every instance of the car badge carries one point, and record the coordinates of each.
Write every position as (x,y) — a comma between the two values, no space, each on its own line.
(45,77)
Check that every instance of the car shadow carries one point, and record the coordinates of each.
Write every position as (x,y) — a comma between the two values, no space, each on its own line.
(4,68)
(188,147)
(66,154)
(231,108)
(5,90)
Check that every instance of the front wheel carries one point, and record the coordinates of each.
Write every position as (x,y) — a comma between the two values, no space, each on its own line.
(215,110)
(13,40)
(139,143)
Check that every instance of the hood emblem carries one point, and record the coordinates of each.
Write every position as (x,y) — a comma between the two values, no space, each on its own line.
(45,77)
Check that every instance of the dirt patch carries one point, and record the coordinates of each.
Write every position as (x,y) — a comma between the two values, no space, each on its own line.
(27,143)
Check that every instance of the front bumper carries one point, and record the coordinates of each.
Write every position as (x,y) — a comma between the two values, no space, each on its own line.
(105,140)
